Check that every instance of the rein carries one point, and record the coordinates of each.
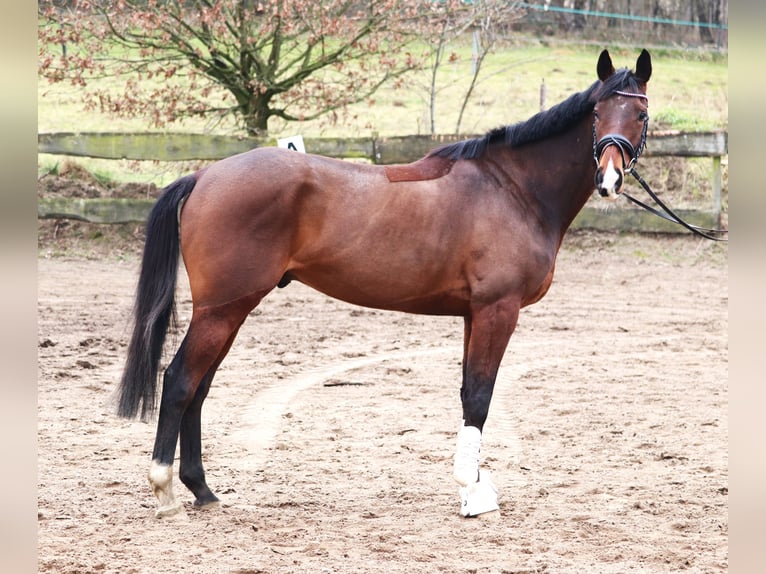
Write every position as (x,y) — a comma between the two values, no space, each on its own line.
(629,167)
(669,214)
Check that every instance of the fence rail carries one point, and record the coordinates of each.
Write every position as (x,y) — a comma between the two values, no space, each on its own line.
(403,149)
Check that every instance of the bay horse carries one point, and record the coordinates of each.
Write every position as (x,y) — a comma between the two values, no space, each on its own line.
(470,230)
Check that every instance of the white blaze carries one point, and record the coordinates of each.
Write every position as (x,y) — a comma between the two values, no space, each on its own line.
(611,177)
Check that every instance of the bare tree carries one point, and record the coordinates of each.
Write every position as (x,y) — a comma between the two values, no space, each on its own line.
(440,23)
(489,20)
(444,22)
(255,59)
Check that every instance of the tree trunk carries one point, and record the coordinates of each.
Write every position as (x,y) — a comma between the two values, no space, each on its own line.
(256,124)
(703,15)
(255,112)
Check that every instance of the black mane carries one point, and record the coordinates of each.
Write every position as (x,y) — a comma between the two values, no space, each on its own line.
(544,124)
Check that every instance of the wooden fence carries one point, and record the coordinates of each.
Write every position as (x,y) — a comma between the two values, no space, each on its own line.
(180,147)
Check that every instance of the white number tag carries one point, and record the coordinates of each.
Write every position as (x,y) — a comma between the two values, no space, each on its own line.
(294,143)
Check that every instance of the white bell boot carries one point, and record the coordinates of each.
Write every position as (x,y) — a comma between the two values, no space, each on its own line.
(479,497)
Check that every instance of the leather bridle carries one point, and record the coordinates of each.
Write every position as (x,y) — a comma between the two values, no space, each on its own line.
(627,149)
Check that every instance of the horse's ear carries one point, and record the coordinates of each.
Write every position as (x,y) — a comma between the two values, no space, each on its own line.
(644,66)
(605,67)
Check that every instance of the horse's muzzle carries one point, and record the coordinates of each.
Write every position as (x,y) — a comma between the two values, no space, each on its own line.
(609,181)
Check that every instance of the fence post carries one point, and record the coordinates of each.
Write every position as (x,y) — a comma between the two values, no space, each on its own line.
(375,151)
(717,184)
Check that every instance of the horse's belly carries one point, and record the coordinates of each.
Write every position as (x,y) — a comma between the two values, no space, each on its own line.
(391,290)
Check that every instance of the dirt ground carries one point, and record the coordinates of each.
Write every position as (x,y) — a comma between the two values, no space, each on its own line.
(330,429)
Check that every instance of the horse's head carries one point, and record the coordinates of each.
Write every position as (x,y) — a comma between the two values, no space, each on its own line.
(620,121)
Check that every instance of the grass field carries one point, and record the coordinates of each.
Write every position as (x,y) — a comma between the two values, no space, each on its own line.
(688,91)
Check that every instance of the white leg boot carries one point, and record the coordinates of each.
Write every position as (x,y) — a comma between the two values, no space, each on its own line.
(479,497)
(466,469)
(477,493)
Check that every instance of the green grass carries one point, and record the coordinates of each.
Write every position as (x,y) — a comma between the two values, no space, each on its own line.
(688,91)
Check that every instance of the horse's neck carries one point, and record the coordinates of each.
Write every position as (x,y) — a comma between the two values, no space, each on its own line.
(559,173)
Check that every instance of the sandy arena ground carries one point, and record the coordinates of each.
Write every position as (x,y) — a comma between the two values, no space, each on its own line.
(330,429)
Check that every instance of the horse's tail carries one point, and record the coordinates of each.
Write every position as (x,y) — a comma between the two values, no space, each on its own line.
(154,307)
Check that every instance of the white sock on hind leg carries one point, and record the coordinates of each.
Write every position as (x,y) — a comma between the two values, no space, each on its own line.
(161,481)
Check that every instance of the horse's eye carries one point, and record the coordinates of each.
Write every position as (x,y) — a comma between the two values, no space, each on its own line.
(643,116)
(595,114)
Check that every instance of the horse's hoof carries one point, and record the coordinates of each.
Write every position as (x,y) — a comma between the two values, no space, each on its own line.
(175,509)
(207,504)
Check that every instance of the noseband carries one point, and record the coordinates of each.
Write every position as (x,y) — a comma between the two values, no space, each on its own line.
(626,148)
